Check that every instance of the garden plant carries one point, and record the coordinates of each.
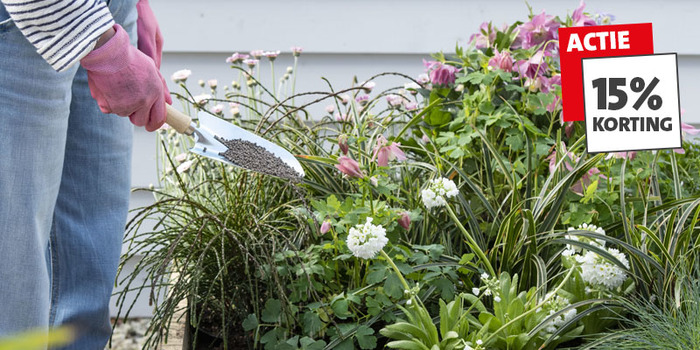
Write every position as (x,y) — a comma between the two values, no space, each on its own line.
(457,211)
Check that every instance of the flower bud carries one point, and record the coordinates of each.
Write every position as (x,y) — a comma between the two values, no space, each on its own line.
(290,70)
(405,221)
(201,82)
(343,143)
(325,227)
(373,181)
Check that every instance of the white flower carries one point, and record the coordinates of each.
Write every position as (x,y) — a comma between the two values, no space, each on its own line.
(487,292)
(411,86)
(409,302)
(475,291)
(423,79)
(184,167)
(598,271)
(330,109)
(366,240)
(436,192)
(202,99)
(497,299)
(181,75)
(479,342)
(181,157)
(585,227)
(217,109)
(554,305)
(485,276)
(213,83)
(368,85)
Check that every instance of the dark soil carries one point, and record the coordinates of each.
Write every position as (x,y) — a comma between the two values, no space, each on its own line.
(249,155)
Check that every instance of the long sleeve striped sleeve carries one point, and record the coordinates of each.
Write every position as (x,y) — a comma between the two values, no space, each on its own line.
(63,31)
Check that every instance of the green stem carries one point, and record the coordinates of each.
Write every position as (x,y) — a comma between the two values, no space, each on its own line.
(471,242)
(272,69)
(396,269)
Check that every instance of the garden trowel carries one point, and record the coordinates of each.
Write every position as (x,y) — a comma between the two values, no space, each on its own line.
(211,133)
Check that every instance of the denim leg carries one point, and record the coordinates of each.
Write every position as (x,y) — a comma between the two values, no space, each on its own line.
(34,109)
(91,211)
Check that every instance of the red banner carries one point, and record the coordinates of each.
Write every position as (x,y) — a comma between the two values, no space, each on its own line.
(576,43)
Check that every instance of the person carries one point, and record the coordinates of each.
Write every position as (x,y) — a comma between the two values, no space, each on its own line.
(64,164)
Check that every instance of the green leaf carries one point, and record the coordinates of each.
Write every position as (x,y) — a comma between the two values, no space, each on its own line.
(312,322)
(340,308)
(250,322)
(393,287)
(271,313)
(365,337)
(333,202)
(310,344)
(515,142)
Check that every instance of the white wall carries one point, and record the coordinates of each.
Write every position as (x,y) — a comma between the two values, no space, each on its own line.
(342,39)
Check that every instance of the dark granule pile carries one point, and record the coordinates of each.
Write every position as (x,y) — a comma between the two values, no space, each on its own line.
(251,156)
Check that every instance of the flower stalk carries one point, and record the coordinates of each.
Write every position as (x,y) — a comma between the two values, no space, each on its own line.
(471,242)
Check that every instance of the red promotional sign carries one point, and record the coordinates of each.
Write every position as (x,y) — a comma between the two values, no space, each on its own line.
(576,43)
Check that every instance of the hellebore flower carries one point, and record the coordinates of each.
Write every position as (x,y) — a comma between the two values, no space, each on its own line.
(384,153)
(502,61)
(533,67)
(484,37)
(440,73)
(405,221)
(540,29)
(349,167)
(580,19)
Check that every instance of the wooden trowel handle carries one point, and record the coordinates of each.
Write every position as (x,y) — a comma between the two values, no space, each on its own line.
(179,121)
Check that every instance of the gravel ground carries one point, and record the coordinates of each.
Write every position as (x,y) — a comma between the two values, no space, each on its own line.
(129,335)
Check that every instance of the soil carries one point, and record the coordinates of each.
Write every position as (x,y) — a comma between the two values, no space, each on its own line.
(251,156)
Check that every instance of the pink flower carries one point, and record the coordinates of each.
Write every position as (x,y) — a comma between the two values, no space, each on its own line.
(423,78)
(349,167)
(251,62)
(181,75)
(394,100)
(343,144)
(384,153)
(257,54)
(271,55)
(540,29)
(620,155)
(580,19)
(374,181)
(410,106)
(569,128)
(234,108)
(325,227)
(425,139)
(296,51)
(502,61)
(440,73)
(213,83)
(236,58)
(533,67)
(217,109)
(362,100)
(485,37)
(341,117)
(344,98)
(405,221)
(330,109)
(689,129)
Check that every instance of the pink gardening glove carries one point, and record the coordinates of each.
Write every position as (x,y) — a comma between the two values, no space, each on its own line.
(126,82)
(150,38)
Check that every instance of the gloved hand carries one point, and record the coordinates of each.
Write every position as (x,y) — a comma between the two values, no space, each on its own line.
(150,38)
(126,82)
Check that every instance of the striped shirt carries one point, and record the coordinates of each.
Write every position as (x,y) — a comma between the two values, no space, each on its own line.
(63,31)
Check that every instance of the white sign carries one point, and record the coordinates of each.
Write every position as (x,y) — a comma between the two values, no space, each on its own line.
(631,103)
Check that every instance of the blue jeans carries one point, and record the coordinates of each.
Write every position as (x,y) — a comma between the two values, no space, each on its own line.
(65,182)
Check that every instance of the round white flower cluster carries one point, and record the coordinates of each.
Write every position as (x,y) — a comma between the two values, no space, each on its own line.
(555,305)
(366,240)
(437,191)
(571,249)
(598,271)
